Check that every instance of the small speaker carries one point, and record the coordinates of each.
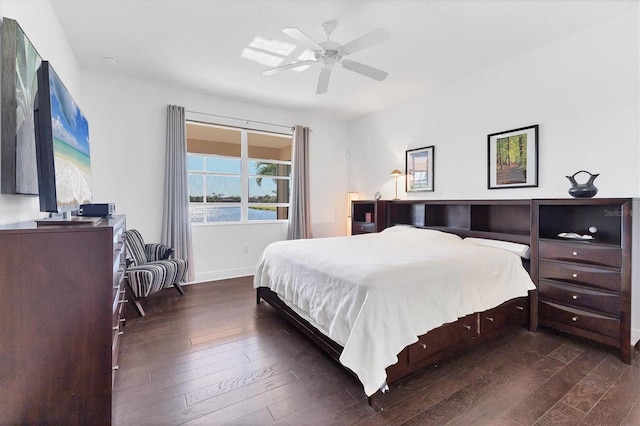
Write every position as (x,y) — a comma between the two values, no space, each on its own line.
(97,210)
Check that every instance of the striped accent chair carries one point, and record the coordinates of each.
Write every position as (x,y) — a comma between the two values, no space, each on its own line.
(150,269)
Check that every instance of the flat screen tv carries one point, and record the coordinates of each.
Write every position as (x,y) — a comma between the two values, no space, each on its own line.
(62,146)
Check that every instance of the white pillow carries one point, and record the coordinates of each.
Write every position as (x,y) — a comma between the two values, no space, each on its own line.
(521,250)
(398,228)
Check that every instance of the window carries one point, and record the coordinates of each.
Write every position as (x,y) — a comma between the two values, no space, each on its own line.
(237,175)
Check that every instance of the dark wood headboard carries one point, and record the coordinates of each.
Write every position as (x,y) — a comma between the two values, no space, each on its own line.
(507,220)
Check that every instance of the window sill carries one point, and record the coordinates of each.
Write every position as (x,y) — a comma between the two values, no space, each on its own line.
(255,222)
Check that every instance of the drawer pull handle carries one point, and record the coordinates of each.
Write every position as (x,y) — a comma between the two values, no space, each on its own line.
(115,367)
(574,275)
(120,333)
(116,327)
(574,319)
(574,297)
(468,327)
(575,253)
(520,308)
(490,319)
(423,346)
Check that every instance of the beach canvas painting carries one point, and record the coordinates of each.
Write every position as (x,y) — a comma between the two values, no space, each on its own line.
(70,146)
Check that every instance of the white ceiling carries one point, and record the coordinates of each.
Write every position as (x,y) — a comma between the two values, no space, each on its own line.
(199,44)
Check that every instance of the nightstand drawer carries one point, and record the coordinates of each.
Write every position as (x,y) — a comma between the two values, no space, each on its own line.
(363,227)
(577,273)
(581,252)
(580,297)
(551,313)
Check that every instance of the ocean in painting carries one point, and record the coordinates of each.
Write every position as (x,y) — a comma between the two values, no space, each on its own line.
(71,151)
(73,174)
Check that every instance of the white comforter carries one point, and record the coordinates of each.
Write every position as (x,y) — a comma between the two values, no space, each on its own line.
(375,293)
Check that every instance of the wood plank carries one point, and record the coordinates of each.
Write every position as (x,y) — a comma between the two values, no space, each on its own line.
(633,418)
(491,408)
(561,414)
(583,396)
(538,402)
(617,402)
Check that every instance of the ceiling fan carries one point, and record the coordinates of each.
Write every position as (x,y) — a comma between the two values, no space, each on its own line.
(328,53)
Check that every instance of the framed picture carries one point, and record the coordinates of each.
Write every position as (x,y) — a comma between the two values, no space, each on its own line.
(419,169)
(512,160)
(20,63)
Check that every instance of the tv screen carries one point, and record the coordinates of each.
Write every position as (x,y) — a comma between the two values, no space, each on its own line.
(62,146)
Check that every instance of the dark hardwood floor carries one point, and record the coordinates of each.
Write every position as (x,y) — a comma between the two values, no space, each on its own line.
(214,357)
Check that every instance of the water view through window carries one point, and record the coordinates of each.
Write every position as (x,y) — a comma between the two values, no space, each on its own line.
(236,175)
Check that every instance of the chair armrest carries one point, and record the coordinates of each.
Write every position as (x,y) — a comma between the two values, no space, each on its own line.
(157,252)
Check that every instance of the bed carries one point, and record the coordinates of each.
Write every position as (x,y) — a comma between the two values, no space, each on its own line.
(387,304)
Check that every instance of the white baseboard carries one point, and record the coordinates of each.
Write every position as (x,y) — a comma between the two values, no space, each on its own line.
(202,277)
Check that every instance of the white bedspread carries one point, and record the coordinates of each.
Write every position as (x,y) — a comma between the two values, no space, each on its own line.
(375,293)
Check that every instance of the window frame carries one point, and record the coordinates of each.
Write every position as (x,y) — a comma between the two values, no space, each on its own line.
(244,175)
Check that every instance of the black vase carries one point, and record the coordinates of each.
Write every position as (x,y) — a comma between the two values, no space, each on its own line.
(583,190)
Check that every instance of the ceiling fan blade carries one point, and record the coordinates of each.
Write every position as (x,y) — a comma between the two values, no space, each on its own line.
(365,70)
(367,40)
(298,35)
(323,80)
(276,70)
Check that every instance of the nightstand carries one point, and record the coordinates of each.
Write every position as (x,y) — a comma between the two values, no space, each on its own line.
(584,286)
(368,216)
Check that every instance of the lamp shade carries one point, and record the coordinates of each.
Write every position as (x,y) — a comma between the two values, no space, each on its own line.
(396,173)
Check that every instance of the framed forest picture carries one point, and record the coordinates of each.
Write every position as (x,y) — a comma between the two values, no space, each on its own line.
(512,159)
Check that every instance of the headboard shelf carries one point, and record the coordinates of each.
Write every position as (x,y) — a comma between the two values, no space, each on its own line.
(508,220)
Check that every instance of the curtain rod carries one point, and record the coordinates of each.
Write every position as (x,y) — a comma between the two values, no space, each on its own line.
(241,119)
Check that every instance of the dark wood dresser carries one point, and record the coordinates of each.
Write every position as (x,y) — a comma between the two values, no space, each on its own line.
(584,285)
(61,309)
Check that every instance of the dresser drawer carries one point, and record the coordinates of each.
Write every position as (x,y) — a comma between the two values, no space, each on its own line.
(581,252)
(576,318)
(608,279)
(580,297)
(442,337)
(509,314)
(363,227)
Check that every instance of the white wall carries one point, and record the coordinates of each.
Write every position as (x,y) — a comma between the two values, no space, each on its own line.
(582,90)
(127,120)
(40,23)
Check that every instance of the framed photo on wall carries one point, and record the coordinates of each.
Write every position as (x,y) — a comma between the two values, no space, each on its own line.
(419,169)
(512,159)
(20,63)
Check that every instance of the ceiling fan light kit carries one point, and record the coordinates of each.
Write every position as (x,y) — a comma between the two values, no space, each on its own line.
(328,53)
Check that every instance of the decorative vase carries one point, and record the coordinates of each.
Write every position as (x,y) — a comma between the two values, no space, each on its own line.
(583,190)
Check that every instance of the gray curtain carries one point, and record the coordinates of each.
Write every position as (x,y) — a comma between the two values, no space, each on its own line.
(299,211)
(176,226)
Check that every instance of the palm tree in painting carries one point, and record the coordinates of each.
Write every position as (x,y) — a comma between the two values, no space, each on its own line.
(27,63)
